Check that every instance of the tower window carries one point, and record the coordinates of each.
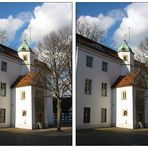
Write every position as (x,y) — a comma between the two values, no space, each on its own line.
(125,58)
(25,57)
(24,113)
(23,95)
(125,113)
(123,95)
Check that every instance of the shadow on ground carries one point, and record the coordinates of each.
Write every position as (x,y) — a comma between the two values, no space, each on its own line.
(14,136)
(112,136)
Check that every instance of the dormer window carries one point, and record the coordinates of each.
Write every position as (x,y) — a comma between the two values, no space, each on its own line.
(25,57)
(125,58)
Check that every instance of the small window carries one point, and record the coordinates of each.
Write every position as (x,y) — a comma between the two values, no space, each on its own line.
(2,115)
(23,95)
(89,61)
(88,86)
(24,113)
(25,57)
(86,115)
(104,66)
(103,115)
(3,66)
(104,89)
(124,95)
(125,113)
(125,58)
(2,89)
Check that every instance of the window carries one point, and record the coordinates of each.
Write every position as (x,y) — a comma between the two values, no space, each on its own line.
(25,57)
(2,115)
(125,113)
(23,95)
(86,115)
(125,58)
(88,86)
(2,89)
(4,66)
(104,89)
(123,95)
(103,115)
(89,61)
(104,66)
(24,113)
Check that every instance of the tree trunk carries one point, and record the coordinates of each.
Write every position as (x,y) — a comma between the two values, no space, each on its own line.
(59,114)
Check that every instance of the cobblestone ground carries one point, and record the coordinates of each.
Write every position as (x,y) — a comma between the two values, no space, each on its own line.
(14,136)
(112,136)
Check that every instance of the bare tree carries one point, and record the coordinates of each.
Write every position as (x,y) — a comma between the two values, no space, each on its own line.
(142,55)
(55,50)
(3,36)
(90,30)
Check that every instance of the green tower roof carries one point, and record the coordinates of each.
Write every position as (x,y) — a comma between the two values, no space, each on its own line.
(25,46)
(124,47)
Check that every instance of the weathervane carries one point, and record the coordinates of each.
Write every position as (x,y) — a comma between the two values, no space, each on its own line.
(124,36)
(25,36)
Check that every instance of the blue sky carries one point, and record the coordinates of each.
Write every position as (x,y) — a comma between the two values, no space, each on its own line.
(18,17)
(116,18)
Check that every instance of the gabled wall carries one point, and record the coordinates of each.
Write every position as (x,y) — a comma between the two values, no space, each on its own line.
(124,104)
(26,104)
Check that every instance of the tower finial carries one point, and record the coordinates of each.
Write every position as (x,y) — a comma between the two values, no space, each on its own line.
(25,36)
(124,36)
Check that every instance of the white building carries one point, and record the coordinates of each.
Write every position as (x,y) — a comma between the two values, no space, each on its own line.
(23,100)
(111,87)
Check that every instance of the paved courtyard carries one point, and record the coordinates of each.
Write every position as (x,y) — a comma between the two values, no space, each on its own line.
(112,136)
(14,136)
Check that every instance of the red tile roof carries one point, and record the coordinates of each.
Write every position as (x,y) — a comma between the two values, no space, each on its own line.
(25,80)
(127,80)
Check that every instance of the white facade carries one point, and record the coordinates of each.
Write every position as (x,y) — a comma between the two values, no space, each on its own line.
(95,101)
(124,105)
(99,101)
(24,105)
(14,110)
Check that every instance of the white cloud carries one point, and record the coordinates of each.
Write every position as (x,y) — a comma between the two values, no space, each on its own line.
(117,14)
(105,22)
(25,16)
(49,17)
(137,20)
(11,25)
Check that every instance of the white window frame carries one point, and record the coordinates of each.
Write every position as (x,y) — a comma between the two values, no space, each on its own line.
(24,111)
(2,116)
(23,94)
(104,89)
(3,89)
(3,66)
(88,87)
(104,66)
(89,61)
(124,95)
(123,113)
(103,115)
